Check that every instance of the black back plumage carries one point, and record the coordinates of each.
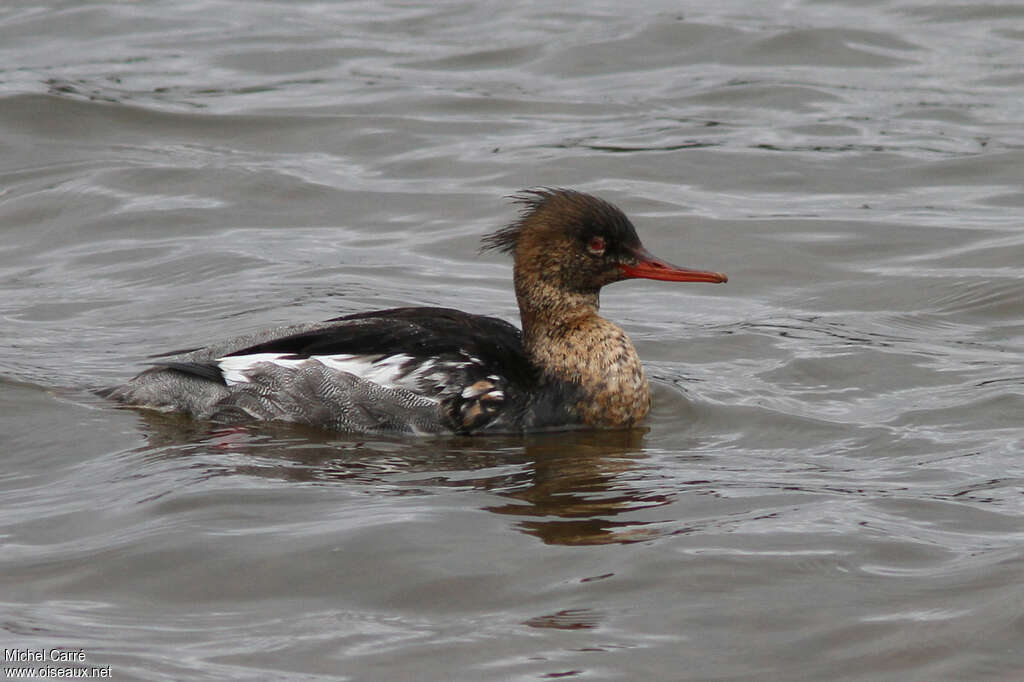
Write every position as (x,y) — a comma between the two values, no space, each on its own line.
(419,332)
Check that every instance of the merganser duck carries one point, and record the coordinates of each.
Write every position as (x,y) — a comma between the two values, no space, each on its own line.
(443,371)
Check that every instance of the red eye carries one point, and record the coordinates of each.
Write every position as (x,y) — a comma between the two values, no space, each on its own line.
(596,245)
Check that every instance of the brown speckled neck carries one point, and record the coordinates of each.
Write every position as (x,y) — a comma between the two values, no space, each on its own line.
(569,341)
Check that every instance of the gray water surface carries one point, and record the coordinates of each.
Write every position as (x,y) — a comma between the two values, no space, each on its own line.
(830,486)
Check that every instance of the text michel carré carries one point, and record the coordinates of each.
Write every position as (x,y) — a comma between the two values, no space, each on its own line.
(43,655)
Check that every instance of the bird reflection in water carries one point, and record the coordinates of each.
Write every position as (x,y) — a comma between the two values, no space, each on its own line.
(579,482)
(566,488)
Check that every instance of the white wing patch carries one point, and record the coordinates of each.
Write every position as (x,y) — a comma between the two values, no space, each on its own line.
(392,371)
(234,367)
(383,371)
